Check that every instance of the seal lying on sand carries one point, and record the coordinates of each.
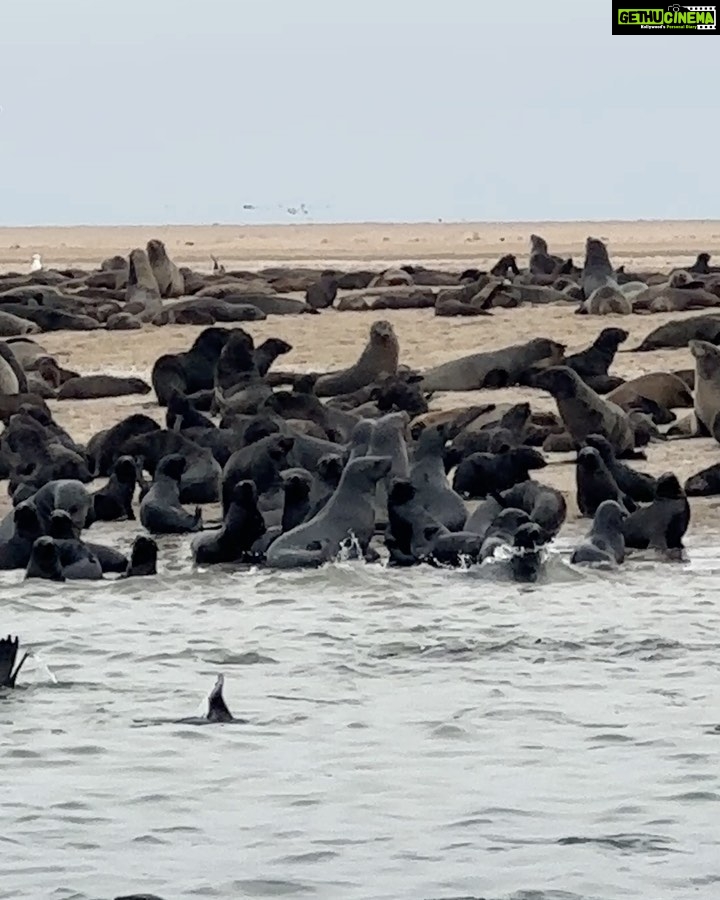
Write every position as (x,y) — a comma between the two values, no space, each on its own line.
(93,387)
(497,368)
(8,655)
(242,526)
(605,542)
(678,334)
(584,412)
(481,474)
(350,513)
(378,360)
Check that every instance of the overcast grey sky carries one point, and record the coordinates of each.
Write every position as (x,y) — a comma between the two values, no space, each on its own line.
(182,111)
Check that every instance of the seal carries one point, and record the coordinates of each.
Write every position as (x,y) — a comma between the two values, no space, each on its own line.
(501,532)
(605,542)
(545,505)
(321,294)
(201,474)
(77,560)
(143,558)
(16,549)
(662,524)
(481,474)
(160,509)
(11,325)
(12,376)
(242,526)
(260,462)
(217,708)
(707,385)
(142,294)
(378,360)
(595,483)
(94,387)
(427,476)
(169,278)
(636,485)
(45,561)
(497,368)
(192,371)
(527,560)
(106,446)
(606,300)
(114,501)
(597,269)
(674,335)
(584,412)
(8,656)
(663,388)
(705,483)
(348,515)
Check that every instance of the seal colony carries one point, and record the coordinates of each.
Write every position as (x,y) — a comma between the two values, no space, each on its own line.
(310,464)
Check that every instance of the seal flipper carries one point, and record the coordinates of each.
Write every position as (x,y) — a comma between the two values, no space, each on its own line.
(217,708)
(8,655)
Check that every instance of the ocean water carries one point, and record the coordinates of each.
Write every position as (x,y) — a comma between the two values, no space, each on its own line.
(409,735)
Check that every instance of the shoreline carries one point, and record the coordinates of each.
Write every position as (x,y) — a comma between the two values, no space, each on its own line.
(334,339)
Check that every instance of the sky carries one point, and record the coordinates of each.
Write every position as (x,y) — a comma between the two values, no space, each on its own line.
(192,111)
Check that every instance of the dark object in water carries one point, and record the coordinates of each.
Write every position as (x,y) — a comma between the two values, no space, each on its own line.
(8,655)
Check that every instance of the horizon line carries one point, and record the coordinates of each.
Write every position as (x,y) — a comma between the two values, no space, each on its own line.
(349,223)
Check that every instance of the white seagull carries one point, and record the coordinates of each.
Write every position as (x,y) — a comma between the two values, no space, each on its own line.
(36,264)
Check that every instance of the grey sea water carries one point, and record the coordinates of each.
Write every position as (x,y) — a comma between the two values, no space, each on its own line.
(411,735)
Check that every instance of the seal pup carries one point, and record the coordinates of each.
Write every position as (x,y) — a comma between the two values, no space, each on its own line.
(143,558)
(605,542)
(526,561)
(16,549)
(114,501)
(160,509)
(595,483)
(662,524)
(44,561)
(8,655)
(545,505)
(350,513)
(378,360)
(707,385)
(78,561)
(242,526)
(639,486)
(584,412)
(597,269)
(481,474)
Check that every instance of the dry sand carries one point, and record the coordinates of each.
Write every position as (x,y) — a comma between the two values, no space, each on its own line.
(334,339)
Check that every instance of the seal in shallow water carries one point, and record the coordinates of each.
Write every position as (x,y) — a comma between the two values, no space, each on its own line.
(160,509)
(604,543)
(350,513)
(662,525)
(45,561)
(8,655)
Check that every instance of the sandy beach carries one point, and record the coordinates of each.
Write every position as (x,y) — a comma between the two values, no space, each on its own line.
(334,339)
